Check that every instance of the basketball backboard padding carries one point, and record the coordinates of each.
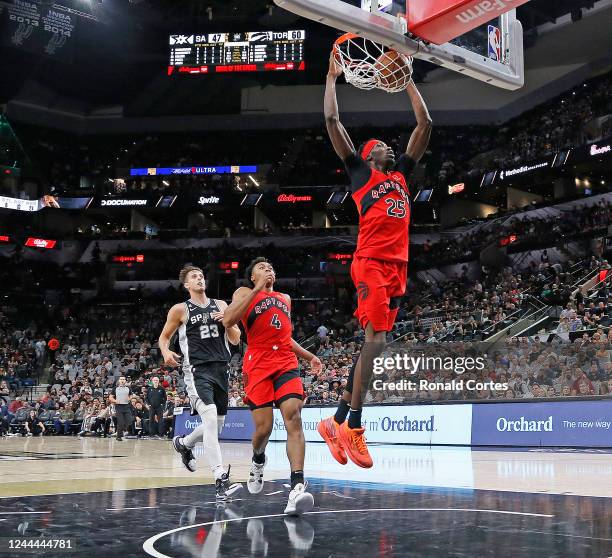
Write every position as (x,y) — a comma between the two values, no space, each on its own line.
(391,31)
(441,21)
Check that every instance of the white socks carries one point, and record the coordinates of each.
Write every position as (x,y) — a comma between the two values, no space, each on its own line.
(208,433)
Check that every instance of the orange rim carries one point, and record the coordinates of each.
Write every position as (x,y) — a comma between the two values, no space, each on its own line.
(345,37)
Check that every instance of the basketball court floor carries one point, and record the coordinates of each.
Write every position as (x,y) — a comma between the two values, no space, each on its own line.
(134,498)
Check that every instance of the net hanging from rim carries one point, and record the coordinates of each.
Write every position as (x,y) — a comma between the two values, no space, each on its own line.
(369,65)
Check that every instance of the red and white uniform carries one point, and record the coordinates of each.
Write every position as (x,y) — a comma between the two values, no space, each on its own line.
(270,367)
(380,265)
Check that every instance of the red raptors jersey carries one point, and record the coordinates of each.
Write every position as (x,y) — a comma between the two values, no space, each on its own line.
(383,202)
(267,322)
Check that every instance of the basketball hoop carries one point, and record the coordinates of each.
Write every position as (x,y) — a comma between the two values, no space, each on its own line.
(369,65)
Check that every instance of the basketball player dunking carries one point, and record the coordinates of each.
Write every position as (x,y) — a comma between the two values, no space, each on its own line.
(271,375)
(204,343)
(380,263)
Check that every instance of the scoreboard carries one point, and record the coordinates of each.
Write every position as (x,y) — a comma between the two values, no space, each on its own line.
(252,51)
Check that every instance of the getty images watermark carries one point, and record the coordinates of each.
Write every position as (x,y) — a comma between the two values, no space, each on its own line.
(431,364)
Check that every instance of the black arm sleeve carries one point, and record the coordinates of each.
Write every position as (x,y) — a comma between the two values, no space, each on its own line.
(358,171)
(405,165)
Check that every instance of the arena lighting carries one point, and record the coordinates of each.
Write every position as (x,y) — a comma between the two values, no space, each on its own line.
(228,266)
(166,171)
(600,150)
(33,242)
(292,198)
(138,258)
(508,240)
(253,181)
(337,197)
(456,188)
(165,183)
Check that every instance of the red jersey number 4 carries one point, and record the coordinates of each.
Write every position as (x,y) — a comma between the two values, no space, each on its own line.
(276,322)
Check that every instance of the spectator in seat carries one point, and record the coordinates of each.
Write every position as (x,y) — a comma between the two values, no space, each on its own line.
(33,425)
(102,421)
(5,418)
(16,405)
(140,426)
(4,389)
(63,422)
(575,323)
(582,378)
(79,416)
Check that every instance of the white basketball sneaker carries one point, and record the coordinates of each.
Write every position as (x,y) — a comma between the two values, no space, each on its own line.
(299,501)
(255,483)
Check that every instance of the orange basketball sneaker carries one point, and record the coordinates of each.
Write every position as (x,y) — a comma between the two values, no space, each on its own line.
(328,429)
(354,443)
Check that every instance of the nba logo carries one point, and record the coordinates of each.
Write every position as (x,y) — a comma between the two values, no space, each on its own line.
(494,42)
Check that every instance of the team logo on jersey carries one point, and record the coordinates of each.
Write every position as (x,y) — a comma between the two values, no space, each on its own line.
(362,290)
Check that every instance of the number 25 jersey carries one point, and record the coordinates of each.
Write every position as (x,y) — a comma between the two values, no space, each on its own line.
(267,322)
(383,202)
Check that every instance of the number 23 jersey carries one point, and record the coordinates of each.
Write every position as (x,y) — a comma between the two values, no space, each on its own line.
(383,202)
(267,322)
(201,338)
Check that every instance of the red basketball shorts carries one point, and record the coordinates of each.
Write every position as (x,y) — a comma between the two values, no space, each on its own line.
(266,385)
(379,286)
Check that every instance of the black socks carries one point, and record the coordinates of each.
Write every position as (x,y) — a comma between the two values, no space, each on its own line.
(297,477)
(259,458)
(342,411)
(354,418)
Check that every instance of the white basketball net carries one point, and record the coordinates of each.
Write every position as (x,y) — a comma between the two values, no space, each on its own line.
(365,66)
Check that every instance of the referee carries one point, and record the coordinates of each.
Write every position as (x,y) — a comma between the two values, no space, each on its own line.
(120,397)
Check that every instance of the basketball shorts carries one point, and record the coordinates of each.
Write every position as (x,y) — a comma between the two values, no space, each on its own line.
(263,389)
(380,285)
(210,384)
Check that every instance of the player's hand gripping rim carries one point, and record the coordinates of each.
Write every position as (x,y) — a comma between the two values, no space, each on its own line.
(335,69)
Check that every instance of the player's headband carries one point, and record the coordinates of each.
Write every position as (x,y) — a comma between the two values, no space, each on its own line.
(368,148)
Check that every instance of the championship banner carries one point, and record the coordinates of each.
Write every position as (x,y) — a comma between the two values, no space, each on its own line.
(46,29)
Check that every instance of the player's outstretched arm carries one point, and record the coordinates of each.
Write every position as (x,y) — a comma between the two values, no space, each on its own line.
(301,352)
(343,146)
(173,322)
(419,140)
(243,296)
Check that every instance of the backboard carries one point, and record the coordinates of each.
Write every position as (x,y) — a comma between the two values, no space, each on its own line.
(492,53)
